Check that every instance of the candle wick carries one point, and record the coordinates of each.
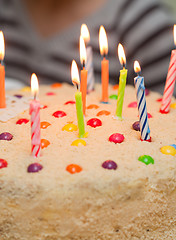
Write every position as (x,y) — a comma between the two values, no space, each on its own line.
(77,87)
(84,64)
(35,95)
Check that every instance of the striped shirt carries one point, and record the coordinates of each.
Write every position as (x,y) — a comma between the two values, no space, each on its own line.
(143,27)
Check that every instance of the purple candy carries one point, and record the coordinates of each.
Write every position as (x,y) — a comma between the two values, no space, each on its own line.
(18,96)
(147,92)
(136,126)
(109,164)
(34,167)
(6,136)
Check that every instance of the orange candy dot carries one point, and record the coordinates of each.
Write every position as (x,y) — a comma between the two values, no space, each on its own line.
(115,87)
(44,143)
(93,106)
(103,112)
(44,125)
(56,85)
(73,168)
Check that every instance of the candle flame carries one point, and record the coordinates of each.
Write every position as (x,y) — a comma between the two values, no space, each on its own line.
(34,84)
(83,55)
(2,46)
(137,67)
(85,33)
(121,53)
(103,41)
(74,73)
(175,34)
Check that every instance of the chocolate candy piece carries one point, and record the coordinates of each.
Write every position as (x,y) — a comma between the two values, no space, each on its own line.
(34,167)
(6,136)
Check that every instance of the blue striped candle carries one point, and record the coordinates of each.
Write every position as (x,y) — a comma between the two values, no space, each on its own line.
(142,108)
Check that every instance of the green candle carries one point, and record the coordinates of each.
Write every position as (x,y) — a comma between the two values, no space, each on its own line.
(80,117)
(122,81)
(121,91)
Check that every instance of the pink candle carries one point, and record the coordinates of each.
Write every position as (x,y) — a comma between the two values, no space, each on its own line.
(35,119)
(170,81)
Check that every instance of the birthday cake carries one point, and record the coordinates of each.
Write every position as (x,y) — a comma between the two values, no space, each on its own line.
(110,185)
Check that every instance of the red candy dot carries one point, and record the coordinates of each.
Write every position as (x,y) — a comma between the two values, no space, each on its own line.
(73,168)
(44,143)
(69,102)
(93,106)
(3,163)
(22,120)
(50,93)
(59,114)
(159,100)
(103,112)
(149,115)
(132,105)
(116,138)
(44,125)
(43,107)
(94,122)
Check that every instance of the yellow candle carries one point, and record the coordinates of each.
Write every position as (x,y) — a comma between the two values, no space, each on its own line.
(103,42)
(122,82)
(2,72)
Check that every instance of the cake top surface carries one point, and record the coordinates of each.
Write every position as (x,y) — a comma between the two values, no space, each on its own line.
(60,153)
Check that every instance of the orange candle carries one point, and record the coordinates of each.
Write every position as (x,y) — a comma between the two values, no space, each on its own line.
(83,86)
(103,42)
(2,72)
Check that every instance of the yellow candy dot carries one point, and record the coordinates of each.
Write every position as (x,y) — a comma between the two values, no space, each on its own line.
(173,105)
(26,89)
(168,150)
(78,142)
(70,127)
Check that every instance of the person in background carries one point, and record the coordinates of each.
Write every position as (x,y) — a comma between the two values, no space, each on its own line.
(42,36)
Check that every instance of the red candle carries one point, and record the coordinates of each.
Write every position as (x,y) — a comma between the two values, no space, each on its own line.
(83,87)
(170,81)
(35,119)
(103,42)
(2,72)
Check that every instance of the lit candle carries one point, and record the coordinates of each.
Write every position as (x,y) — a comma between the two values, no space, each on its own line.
(122,81)
(35,118)
(142,108)
(103,43)
(83,58)
(89,63)
(170,81)
(2,72)
(78,98)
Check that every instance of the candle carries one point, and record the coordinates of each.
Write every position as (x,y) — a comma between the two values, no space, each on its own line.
(2,72)
(142,108)
(78,98)
(89,63)
(103,43)
(35,118)
(170,81)
(122,81)
(83,87)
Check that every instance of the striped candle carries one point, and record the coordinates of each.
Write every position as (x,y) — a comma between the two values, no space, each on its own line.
(35,119)
(142,108)
(89,62)
(169,86)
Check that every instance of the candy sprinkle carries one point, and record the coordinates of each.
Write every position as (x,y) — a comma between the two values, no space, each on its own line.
(146,159)
(69,102)
(103,112)
(6,136)
(116,138)
(44,125)
(110,165)
(73,168)
(44,143)
(56,85)
(3,163)
(173,105)
(34,167)
(78,142)
(70,127)
(93,106)
(94,122)
(136,126)
(59,114)
(22,120)
(168,150)
(113,96)
(132,105)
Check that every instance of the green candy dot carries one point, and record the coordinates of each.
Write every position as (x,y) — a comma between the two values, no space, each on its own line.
(113,96)
(146,159)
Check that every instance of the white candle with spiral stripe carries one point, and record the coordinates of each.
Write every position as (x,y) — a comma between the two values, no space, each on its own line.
(142,108)
(35,119)
(89,63)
